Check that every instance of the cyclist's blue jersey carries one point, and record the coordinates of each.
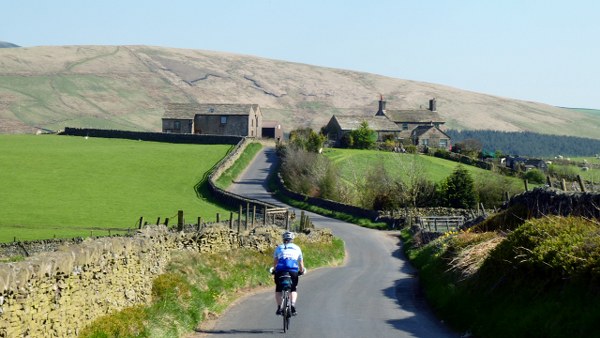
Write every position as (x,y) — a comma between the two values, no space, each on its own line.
(288,256)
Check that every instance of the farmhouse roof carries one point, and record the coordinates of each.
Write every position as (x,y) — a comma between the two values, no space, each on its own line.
(421,130)
(189,110)
(377,123)
(414,116)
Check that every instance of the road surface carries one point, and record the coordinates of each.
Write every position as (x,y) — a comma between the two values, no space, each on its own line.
(375,294)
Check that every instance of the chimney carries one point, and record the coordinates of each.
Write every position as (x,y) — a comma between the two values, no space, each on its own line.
(381,110)
(432,105)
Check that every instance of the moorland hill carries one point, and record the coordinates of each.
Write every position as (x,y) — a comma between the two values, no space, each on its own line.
(128,87)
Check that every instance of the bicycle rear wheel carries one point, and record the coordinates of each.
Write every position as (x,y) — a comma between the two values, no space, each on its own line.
(286,311)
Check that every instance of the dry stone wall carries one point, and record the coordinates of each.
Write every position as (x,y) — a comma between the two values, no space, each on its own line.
(56,294)
(543,202)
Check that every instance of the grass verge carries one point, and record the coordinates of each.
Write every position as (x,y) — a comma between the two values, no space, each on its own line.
(197,286)
(239,166)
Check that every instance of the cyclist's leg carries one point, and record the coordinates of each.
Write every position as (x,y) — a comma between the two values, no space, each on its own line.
(278,293)
(294,293)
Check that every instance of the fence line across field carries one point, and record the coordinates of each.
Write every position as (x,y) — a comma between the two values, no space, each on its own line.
(248,217)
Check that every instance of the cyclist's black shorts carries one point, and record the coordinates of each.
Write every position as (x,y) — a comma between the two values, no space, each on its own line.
(293,274)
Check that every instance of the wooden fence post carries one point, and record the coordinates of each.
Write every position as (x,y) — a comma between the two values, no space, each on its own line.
(253,215)
(218,217)
(581,185)
(563,185)
(199,223)
(158,220)
(265,214)
(526,185)
(167,222)
(180,220)
(287,220)
(231,220)
(141,222)
(247,216)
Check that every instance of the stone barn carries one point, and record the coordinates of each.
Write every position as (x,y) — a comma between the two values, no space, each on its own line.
(213,119)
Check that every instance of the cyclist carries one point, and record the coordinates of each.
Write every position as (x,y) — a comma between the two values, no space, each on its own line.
(287,258)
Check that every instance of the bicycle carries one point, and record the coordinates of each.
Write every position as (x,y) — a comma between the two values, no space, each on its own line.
(286,301)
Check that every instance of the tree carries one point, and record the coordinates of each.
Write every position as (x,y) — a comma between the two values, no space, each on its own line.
(307,139)
(315,142)
(459,189)
(364,137)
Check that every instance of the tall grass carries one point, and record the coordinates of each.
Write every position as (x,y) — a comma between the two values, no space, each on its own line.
(73,186)
(198,285)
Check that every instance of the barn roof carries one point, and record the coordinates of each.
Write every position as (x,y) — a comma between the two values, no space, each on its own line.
(189,110)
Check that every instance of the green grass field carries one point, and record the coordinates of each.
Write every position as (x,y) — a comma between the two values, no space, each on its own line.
(355,163)
(591,175)
(67,186)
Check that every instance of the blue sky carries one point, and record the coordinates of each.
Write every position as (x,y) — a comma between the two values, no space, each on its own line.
(546,51)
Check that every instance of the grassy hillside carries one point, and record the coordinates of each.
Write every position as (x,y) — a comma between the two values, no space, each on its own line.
(355,163)
(68,186)
(127,87)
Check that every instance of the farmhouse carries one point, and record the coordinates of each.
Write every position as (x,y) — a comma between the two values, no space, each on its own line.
(419,127)
(338,126)
(213,118)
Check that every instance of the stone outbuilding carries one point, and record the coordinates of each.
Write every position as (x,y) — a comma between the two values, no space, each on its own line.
(272,129)
(213,119)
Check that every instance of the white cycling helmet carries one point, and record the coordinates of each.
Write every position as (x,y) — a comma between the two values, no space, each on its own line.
(288,236)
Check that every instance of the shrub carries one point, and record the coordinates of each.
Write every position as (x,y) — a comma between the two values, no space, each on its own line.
(411,149)
(554,247)
(535,176)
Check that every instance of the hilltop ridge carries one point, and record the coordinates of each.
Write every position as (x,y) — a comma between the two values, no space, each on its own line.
(128,87)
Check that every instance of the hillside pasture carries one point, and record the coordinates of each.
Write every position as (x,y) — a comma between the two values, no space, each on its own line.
(355,163)
(64,186)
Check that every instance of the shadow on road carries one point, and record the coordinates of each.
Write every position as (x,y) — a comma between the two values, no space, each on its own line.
(236,332)
(424,321)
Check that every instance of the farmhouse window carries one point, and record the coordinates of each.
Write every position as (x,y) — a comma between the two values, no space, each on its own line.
(223,119)
(177,125)
(443,143)
(404,126)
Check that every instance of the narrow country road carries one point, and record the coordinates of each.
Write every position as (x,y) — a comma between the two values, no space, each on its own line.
(374,294)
